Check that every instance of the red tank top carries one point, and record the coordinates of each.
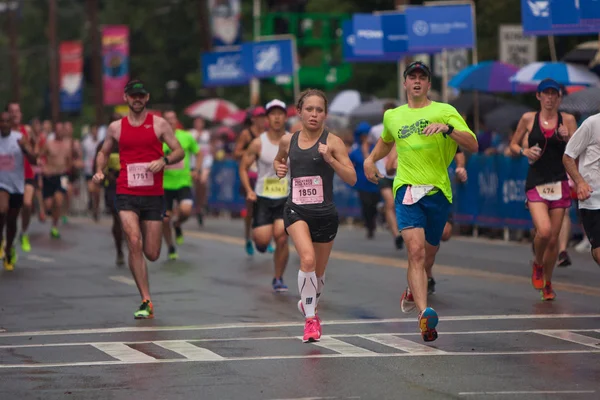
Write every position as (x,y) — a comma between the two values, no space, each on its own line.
(28,170)
(138,146)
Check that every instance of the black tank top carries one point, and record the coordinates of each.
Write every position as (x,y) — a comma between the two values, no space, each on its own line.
(549,168)
(309,162)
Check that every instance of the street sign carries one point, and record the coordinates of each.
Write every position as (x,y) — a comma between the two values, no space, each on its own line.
(223,68)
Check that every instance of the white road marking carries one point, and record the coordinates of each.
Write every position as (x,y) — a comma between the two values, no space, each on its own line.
(122,279)
(124,353)
(250,325)
(190,351)
(33,257)
(346,349)
(571,337)
(402,344)
(299,357)
(527,392)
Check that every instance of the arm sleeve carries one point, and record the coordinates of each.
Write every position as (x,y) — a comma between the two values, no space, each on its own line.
(579,141)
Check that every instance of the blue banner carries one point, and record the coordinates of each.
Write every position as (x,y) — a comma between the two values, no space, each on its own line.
(348,53)
(590,11)
(368,34)
(269,58)
(433,28)
(395,38)
(224,68)
(559,17)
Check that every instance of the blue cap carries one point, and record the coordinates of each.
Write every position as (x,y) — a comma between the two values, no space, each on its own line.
(549,84)
(362,129)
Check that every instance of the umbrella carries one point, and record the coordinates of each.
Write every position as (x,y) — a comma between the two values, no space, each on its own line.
(584,102)
(583,53)
(567,74)
(371,111)
(212,109)
(465,103)
(347,100)
(235,118)
(504,118)
(489,76)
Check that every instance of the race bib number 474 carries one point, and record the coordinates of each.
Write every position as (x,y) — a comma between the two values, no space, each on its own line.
(307,190)
(138,175)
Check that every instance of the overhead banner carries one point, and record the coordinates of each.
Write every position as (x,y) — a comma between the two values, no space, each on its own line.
(560,17)
(223,68)
(348,47)
(269,58)
(516,48)
(71,75)
(225,22)
(115,61)
(434,28)
(382,36)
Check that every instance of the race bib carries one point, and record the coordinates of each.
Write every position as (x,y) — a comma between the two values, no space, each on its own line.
(138,175)
(307,190)
(178,165)
(415,193)
(550,191)
(275,187)
(7,162)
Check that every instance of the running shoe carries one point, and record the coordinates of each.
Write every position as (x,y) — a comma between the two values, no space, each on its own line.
(399,242)
(249,248)
(10,260)
(270,249)
(173,254)
(25,245)
(428,320)
(178,235)
(430,286)
(279,286)
(537,276)
(563,259)
(547,293)
(146,311)
(407,301)
(54,233)
(312,330)
(2,246)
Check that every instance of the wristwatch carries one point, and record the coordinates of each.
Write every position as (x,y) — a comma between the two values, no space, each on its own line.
(166,160)
(449,131)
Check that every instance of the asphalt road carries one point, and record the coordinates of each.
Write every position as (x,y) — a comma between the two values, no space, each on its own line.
(220,333)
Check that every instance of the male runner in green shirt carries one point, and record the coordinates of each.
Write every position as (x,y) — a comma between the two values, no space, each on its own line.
(427,135)
(177,182)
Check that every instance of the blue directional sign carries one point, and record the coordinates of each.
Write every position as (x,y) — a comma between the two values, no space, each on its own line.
(269,58)
(223,68)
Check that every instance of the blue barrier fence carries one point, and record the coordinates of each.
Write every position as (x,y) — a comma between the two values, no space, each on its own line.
(493,196)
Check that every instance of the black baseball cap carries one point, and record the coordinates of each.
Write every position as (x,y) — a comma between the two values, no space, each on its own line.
(136,86)
(417,65)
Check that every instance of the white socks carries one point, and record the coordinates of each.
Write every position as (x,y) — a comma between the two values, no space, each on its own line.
(307,286)
(320,284)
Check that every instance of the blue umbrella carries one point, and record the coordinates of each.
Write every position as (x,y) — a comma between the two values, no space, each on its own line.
(489,76)
(564,73)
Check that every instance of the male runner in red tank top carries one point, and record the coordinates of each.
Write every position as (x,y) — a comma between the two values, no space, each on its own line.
(140,192)
(16,115)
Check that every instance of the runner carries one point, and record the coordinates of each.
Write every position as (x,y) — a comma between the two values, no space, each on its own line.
(13,147)
(89,146)
(271,192)
(547,186)
(202,137)
(16,115)
(73,187)
(255,128)
(427,135)
(177,183)
(111,174)
(585,146)
(56,154)
(310,216)
(387,182)
(140,191)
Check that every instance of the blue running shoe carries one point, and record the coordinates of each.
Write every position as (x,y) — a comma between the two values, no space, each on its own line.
(279,286)
(249,248)
(428,320)
(270,249)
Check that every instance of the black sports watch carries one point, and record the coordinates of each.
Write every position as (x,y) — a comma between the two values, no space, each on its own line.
(450,130)
(166,160)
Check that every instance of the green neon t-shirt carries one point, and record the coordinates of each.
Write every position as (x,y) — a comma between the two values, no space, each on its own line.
(178,175)
(423,160)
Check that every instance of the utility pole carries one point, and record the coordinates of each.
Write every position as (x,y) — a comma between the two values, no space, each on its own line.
(205,32)
(92,9)
(14,51)
(54,96)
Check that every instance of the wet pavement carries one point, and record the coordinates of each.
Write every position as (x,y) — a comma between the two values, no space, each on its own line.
(221,333)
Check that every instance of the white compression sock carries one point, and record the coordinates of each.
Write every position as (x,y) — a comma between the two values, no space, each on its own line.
(307,286)
(320,284)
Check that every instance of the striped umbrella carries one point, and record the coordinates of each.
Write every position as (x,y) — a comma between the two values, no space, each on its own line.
(491,77)
(566,74)
(584,102)
(215,110)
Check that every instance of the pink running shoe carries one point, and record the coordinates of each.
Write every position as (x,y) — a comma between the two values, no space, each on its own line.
(312,330)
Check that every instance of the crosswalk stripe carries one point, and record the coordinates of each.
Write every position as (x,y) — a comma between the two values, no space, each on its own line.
(122,352)
(402,344)
(341,347)
(572,337)
(189,351)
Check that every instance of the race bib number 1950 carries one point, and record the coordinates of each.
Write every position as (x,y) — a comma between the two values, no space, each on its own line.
(138,175)
(307,190)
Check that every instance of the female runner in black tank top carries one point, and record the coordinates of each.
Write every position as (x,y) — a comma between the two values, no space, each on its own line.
(547,189)
(309,215)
